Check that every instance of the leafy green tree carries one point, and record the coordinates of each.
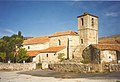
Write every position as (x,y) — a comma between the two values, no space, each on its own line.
(10,45)
(2,45)
(15,43)
(22,55)
(3,56)
(19,34)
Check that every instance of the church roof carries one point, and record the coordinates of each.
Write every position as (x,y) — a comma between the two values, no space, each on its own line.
(33,52)
(48,50)
(43,39)
(36,40)
(109,41)
(107,46)
(69,32)
(86,13)
(53,49)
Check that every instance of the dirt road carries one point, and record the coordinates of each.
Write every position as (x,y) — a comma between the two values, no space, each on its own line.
(52,76)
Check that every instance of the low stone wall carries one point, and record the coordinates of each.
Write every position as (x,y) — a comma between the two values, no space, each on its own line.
(84,68)
(75,67)
(17,66)
(114,67)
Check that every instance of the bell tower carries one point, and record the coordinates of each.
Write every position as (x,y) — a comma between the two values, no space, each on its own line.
(88,32)
(88,29)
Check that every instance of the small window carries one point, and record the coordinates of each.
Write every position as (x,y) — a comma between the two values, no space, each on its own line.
(92,23)
(109,57)
(59,42)
(82,21)
(81,41)
(46,55)
(28,47)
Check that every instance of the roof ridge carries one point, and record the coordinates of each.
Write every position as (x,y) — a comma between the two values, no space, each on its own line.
(68,32)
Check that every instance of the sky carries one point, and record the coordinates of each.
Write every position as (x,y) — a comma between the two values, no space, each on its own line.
(40,18)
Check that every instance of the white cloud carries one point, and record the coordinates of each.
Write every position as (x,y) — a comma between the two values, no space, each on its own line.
(1,35)
(113,14)
(9,31)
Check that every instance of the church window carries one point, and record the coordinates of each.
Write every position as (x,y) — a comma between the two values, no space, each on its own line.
(109,57)
(81,41)
(28,47)
(82,21)
(46,55)
(92,21)
(59,42)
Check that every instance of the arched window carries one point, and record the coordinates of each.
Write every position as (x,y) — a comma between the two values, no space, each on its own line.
(59,42)
(92,22)
(81,41)
(46,55)
(82,21)
(28,47)
(109,57)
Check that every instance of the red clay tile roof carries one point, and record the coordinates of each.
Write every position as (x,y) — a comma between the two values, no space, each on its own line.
(33,52)
(64,33)
(51,49)
(107,46)
(108,42)
(36,40)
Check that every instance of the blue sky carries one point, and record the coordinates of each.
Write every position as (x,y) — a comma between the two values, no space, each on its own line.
(39,18)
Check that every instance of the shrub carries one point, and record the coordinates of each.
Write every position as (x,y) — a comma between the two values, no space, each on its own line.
(61,56)
(85,61)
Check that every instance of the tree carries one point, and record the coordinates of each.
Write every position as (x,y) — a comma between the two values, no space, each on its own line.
(3,56)
(15,43)
(10,45)
(2,45)
(19,34)
(22,55)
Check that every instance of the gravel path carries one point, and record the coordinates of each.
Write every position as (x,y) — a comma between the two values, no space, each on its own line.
(49,76)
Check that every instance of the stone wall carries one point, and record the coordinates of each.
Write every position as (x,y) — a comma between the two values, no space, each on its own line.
(75,67)
(17,66)
(114,67)
(40,46)
(85,68)
(108,56)
(71,41)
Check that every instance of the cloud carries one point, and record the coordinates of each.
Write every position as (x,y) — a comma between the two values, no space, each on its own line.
(9,31)
(6,32)
(1,35)
(113,14)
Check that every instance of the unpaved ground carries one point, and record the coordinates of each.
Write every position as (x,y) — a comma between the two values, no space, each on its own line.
(49,76)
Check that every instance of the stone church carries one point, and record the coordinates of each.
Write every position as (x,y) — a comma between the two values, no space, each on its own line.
(74,45)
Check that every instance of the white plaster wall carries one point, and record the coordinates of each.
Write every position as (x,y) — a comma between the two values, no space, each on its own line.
(36,46)
(108,56)
(52,57)
(54,41)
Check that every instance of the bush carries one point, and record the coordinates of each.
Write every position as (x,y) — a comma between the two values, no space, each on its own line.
(39,65)
(61,56)
(85,61)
